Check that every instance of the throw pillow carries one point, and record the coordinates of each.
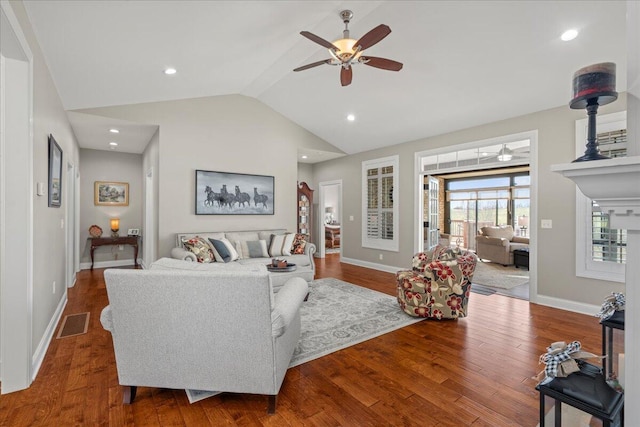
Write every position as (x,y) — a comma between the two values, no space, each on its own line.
(252,249)
(200,248)
(225,249)
(280,244)
(299,243)
(500,231)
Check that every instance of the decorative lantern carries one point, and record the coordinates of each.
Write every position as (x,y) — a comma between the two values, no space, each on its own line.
(613,349)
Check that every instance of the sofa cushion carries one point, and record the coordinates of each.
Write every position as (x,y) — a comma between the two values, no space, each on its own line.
(299,243)
(281,244)
(252,249)
(225,249)
(501,231)
(176,264)
(200,248)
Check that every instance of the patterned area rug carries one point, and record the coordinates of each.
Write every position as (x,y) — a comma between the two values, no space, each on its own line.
(499,276)
(338,315)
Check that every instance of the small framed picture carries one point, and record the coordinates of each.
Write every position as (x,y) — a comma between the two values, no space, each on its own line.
(107,193)
(133,232)
(55,173)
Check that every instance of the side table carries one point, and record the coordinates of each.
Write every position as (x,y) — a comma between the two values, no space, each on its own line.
(521,258)
(587,391)
(115,241)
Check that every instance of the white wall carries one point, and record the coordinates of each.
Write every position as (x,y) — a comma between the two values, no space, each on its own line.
(101,165)
(332,198)
(230,133)
(556,247)
(305,172)
(49,258)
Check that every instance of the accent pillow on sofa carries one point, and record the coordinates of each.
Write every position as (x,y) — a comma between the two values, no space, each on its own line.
(252,249)
(501,231)
(299,243)
(225,249)
(280,244)
(200,248)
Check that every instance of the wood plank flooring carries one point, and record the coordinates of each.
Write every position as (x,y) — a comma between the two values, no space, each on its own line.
(471,372)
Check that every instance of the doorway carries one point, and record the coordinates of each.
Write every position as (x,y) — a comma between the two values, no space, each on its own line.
(483,156)
(16,203)
(330,224)
(71,238)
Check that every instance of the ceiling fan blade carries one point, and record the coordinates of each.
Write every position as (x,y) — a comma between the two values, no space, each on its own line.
(319,40)
(313,64)
(383,63)
(346,74)
(373,37)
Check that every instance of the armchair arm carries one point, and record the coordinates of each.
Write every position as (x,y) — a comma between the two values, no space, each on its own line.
(287,303)
(106,319)
(183,254)
(494,241)
(517,239)
(309,250)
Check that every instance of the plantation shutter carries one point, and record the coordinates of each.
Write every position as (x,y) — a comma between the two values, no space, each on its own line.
(380,222)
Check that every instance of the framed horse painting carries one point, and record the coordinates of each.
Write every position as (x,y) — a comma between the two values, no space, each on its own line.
(226,193)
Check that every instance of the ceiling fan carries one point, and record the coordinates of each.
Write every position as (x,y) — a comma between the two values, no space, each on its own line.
(347,52)
(506,154)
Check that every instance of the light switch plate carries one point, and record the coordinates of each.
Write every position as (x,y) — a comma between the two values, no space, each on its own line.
(546,223)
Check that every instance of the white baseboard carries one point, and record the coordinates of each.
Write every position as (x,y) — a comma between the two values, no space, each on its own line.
(38,355)
(565,304)
(107,264)
(372,265)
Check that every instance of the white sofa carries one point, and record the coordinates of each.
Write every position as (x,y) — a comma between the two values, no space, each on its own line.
(305,267)
(211,328)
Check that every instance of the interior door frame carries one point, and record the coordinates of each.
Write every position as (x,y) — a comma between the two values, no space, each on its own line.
(16,266)
(419,174)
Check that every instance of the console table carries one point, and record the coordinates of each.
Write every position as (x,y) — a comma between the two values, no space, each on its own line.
(115,241)
(332,236)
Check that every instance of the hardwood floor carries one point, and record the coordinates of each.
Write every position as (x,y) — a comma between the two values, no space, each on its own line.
(472,372)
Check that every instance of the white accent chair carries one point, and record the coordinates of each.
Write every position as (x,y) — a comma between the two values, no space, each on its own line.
(215,330)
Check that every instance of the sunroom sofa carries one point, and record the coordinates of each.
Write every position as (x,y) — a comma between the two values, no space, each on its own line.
(497,243)
(211,328)
(245,244)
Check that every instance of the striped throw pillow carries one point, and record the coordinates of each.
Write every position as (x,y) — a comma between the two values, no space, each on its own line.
(280,244)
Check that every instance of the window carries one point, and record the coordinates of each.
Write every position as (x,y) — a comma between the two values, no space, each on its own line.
(380,203)
(478,202)
(600,250)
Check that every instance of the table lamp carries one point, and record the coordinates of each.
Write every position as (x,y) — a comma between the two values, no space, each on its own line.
(523,223)
(115,227)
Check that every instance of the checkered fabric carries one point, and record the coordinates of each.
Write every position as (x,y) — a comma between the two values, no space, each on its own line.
(614,302)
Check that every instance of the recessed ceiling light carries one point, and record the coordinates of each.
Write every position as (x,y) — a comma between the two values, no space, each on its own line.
(305,157)
(569,35)
(351,117)
(113,144)
(170,71)
(114,131)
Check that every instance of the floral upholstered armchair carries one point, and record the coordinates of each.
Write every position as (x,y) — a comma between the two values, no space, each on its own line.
(439,284)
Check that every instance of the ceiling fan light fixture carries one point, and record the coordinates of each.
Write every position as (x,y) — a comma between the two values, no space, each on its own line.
(344,49)
(505,154)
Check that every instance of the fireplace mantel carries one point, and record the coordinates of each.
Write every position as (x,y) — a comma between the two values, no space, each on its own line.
(613,183)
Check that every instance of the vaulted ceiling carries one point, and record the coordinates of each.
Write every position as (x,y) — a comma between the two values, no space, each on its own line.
(465,62)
